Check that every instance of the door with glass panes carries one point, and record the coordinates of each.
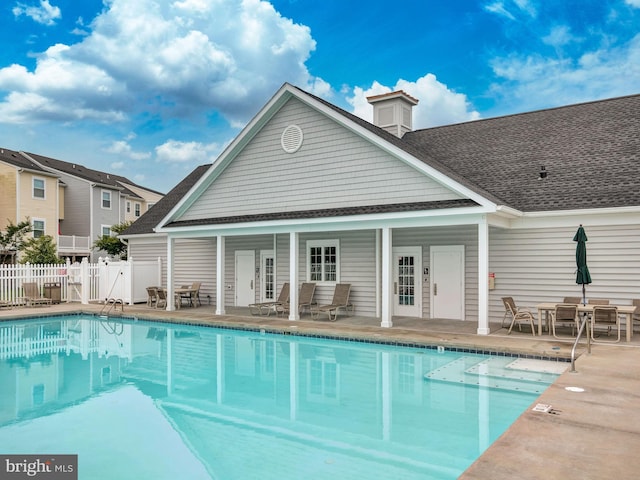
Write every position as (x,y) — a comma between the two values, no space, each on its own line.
(407,281)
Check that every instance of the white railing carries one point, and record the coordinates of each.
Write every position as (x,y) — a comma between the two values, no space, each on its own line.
(81,282)
(73,244)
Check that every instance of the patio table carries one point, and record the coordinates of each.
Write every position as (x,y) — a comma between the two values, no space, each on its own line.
(545,308)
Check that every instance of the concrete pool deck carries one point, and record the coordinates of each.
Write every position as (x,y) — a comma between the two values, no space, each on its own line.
(589,434)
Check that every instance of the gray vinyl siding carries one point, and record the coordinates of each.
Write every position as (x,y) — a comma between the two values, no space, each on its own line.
(77,207)
(538,265)
(104,216)
(195,262)
(333,168)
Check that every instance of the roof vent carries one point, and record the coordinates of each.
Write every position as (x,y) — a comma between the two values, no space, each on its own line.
(543,173)
(291,139)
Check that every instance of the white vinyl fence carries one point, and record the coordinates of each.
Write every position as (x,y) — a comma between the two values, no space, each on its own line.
(84,282)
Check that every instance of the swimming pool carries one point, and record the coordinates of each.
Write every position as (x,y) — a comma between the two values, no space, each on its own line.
(138,400)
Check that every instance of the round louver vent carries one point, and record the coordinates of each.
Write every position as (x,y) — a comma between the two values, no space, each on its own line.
(291,139)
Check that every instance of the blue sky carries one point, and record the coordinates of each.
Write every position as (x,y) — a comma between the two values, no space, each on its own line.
(150,89)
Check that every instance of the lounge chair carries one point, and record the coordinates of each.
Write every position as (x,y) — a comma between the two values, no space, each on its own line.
(518,315)
(565,313)
(33,296)
(340,301)
(605,316)
(265,308)
(305,300)
(4,304)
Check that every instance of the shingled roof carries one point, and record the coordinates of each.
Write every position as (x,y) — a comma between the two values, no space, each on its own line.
(590,151)
(14,158)
(152,217)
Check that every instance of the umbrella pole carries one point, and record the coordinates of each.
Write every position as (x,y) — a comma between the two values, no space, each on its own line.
(586,319)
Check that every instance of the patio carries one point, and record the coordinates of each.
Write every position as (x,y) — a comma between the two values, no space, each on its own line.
(603,418)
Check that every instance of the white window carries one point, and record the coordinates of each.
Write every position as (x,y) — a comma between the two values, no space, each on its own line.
(128,206)
(323,261)
(38,188)
(38,228)
(137,209)
(106,199)
(106,231)
(149,205)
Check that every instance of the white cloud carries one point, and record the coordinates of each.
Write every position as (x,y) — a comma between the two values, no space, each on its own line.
(117,165)
(124,149)
(559,36)
(174,151)
(533,82)
(45,14)
(500,8)
(438,105)
(633,3)
(173,57)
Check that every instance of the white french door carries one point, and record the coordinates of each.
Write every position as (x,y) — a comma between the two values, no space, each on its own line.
(407,281)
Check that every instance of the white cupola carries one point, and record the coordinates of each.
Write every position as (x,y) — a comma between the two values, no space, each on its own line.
(393,112)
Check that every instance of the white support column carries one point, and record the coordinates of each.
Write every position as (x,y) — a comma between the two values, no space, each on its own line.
(483,276)
(171,244)
(378,274)
(387,278)
(293,275)
(220,254)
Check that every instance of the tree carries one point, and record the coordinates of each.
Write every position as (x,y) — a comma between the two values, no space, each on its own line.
(40,250)
(112,244)
(12,241)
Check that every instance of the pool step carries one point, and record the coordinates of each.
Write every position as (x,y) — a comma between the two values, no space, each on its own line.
(507,373)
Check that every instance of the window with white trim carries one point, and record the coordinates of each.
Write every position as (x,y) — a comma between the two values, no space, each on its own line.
(128,206)
(137,209)
(38,188)
(106,231)
(106,199)
(38,228)
(323,261)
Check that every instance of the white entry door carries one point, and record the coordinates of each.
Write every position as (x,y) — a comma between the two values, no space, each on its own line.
(407,281)
(245,277)
(447,282)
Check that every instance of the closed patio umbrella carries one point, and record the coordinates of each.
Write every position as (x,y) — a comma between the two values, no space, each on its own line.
(582,275)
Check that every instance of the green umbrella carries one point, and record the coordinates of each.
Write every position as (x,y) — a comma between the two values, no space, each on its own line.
(582,275)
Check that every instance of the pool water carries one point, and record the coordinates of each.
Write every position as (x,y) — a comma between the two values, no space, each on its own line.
(142,400)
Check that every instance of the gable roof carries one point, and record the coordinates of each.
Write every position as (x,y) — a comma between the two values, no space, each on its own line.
(152,217)
(590,152)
